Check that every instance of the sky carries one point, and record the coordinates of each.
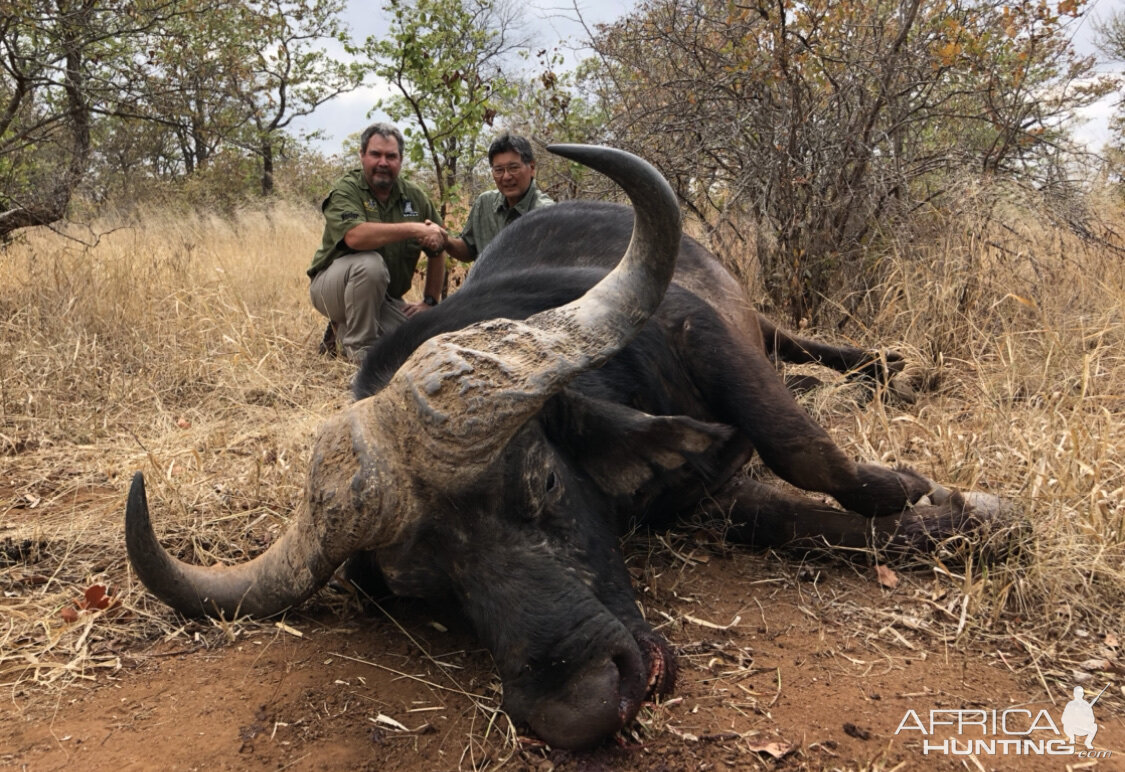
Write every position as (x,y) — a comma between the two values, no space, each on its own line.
(550,24)
(1094,132)
(556,23)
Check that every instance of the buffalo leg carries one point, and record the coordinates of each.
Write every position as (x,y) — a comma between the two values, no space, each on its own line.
(860,364)
(766,516)
(743,389)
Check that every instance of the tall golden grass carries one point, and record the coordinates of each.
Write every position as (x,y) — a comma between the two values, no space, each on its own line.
(180,344)
(184,345)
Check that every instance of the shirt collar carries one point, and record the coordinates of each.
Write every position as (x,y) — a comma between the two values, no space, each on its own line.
(523,204)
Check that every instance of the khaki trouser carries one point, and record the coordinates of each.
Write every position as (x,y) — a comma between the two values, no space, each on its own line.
(352,293)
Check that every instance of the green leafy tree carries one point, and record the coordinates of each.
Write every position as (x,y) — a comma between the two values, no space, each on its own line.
(243,76)
(187,82)
(445,58)
(290,73)
(63,66)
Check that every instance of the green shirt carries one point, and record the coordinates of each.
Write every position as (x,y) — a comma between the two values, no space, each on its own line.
(351,202)
(491,212)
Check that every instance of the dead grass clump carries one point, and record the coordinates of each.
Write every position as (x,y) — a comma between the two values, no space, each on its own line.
(1015,328)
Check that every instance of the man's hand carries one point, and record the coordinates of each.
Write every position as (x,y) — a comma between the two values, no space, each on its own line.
(410,309)
(432,238)
(457,248)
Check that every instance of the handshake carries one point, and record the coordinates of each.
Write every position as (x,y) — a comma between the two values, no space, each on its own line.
(434,239)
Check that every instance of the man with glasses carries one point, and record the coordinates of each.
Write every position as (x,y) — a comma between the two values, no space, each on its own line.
(513,170)
(376,227)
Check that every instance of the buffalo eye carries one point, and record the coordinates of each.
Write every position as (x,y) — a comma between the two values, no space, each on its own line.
(544,493)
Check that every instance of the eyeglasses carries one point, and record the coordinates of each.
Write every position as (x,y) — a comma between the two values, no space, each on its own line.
(512,169)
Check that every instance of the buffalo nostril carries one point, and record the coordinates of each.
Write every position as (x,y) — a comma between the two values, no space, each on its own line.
(633,683)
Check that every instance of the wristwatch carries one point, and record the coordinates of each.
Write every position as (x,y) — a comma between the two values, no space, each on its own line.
(429,300)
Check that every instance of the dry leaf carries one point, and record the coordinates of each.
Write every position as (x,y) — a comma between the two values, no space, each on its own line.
(775,749)
(887,577)
(95,597)
(1111,640)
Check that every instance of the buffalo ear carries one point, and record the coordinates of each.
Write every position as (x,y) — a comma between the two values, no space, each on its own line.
(623,449)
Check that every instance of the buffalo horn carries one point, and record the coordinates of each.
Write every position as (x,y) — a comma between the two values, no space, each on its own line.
(470,391)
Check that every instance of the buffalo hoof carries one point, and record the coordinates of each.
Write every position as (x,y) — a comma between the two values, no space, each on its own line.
(881,376)
(953,521)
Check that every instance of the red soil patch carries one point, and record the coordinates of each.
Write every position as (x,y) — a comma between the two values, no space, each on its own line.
(808,673)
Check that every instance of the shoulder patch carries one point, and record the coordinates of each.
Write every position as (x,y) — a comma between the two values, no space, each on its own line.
(346,216)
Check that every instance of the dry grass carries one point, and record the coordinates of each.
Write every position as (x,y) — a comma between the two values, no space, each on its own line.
(184,346)
(1016,328)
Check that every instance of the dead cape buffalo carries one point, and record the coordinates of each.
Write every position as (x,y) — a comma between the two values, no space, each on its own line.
(504,442)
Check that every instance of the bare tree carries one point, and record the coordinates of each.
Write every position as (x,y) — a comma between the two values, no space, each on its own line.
(290,73)
(210,73)
(821,120)
(50,84)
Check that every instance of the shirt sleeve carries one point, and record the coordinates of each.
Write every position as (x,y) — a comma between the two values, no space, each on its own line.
(342,212)
(467,234)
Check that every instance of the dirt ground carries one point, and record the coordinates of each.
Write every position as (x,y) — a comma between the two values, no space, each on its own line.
(784,665)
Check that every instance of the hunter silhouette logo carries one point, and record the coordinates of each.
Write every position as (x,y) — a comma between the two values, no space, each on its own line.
(1078,717)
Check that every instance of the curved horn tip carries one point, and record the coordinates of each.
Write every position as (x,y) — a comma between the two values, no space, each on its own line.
(136,504)
(641,181)
(591,155)
(566,149)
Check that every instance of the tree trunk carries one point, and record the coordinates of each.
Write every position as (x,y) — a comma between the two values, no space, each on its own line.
(267,168)
(51,206)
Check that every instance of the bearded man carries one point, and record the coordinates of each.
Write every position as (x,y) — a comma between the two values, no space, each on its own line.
(377,225)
